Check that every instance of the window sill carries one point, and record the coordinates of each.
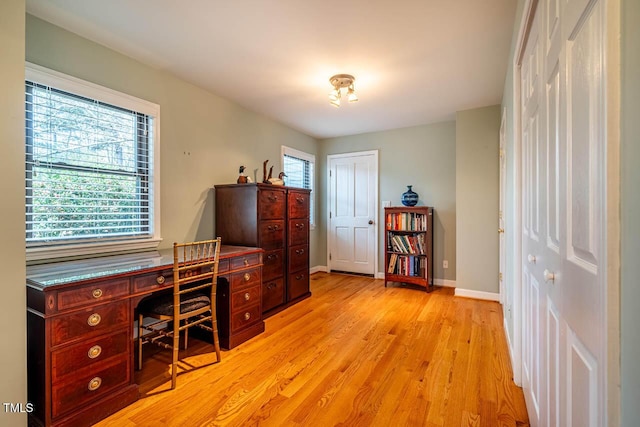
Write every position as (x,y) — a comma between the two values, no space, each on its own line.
(90,249)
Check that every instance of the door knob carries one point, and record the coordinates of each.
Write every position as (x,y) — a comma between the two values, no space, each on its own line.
(532,259)
(549,275)
(370,222)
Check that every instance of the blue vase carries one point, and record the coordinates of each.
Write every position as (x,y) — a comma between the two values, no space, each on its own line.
(409,197)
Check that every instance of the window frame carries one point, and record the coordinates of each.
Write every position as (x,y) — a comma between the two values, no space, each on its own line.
(311,158)
(76,86)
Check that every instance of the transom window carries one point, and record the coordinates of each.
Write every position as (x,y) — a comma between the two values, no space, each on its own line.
(299,168)
(89,168)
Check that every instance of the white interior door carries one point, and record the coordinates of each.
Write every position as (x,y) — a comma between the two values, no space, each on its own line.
(564,240)
(501,213)
(353,201)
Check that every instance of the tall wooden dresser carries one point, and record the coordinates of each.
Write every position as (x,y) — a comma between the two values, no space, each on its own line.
(276,219)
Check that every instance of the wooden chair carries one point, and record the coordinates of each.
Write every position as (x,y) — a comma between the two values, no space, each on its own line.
(192,303)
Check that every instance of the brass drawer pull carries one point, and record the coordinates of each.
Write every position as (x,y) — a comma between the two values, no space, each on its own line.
(273,227)
(271,285)
(246,277)
(94,319)
(246,262)
(97,293)
(94,352)
(272,257)
(299,199)
(299,251)
(95,384)
(299,225)
(272,198)
(247,316)
(299,277)
(247,296)
(160,280)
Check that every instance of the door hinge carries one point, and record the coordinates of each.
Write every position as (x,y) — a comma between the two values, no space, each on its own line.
(500,276)
(329,215)
(329,256)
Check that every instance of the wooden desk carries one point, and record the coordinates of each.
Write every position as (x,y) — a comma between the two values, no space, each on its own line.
(80,342)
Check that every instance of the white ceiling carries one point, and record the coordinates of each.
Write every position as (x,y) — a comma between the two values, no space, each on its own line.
(415,61)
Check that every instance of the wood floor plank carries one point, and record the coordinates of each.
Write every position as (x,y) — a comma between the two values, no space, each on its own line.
(354,354)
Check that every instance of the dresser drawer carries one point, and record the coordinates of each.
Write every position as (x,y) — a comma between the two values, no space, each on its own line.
(243,279)
(298,204)
(272,203)
(298,231)
(88,353)
(91,294)
(88,386)
(272,294)
(245,297)
(244,261)
(245,317)
(151,281)
(298,284)
(273,264)
(89,322)
(271,234)
(298,258)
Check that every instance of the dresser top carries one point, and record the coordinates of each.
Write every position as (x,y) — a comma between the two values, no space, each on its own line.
(62,273)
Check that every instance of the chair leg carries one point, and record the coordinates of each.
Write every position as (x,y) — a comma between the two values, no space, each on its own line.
(186,336)
(140,318)
(175,349)
(216,342)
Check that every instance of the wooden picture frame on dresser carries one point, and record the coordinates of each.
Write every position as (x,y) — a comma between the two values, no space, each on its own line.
(276,219)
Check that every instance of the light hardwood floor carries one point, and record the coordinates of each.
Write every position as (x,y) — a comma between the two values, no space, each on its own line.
(354,354)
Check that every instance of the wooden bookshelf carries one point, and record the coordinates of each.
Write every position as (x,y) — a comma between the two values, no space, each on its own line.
(409,246)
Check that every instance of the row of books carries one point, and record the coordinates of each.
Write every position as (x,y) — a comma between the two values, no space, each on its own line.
(407,265)
(407,221)
(406,244)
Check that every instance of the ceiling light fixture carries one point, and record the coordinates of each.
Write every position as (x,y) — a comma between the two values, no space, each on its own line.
(338,82)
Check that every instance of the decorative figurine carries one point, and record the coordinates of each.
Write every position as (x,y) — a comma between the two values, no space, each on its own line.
(264,172)
(277,181)
(242,179)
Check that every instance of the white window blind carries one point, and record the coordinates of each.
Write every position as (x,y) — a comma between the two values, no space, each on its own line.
(299,168)
(88,169)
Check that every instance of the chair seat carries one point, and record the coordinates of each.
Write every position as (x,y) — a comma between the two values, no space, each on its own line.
(163,305)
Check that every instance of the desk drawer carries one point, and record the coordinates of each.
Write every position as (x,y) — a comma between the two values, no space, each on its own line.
(88,386)
(90,322)
(92,294)
(245,317)
(243,279)
(245,297)
(151,281)
(244,261)
(88,353)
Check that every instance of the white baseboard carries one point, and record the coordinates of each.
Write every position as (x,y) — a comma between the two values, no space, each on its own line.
(444,282)
(468,293)
(318,268)
(379,275)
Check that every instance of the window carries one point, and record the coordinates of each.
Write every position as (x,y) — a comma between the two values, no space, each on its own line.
(300,168)
(89,169)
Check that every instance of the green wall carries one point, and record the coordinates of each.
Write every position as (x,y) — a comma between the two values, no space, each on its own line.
(13,386)
(204,138)
(630,215)
(422,156)
(477,192)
